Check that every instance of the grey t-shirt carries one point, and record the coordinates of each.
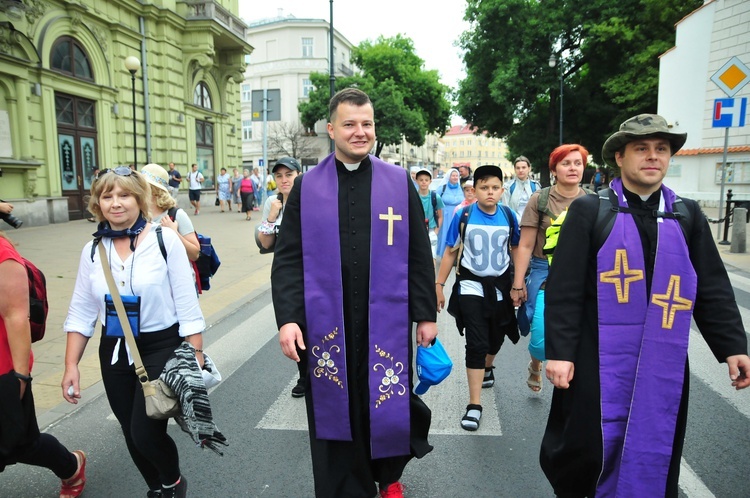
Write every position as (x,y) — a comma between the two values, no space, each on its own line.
(184,225)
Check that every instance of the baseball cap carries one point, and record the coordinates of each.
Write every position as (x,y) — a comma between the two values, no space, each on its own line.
(288,162)
(424,170)
(488,170)
(433,366)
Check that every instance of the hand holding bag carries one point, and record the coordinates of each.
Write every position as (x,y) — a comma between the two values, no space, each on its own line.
(161,401)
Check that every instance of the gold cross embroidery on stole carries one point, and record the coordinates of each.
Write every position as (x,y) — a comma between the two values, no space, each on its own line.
(622,276)
(390,218)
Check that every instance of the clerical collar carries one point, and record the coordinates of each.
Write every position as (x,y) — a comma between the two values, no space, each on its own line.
(647,201)
(353,167)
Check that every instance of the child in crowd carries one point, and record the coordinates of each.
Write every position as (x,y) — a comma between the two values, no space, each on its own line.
(482,237)
(433,208)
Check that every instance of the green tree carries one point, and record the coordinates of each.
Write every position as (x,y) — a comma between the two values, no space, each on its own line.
(409,100)
(607,53)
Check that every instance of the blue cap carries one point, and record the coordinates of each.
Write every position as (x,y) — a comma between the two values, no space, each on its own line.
(433,365)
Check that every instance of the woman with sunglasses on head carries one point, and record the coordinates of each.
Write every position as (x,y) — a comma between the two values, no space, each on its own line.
(168,314)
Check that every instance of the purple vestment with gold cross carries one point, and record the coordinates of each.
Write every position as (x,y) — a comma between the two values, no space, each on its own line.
(388,314)
(643,345)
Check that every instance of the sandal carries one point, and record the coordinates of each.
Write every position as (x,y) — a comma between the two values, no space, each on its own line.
(534,385)
(73,487)
(470,421)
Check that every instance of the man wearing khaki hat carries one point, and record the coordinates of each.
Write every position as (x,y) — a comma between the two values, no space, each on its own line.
(619,301)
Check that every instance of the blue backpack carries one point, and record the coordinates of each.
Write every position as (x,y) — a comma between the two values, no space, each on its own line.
(534,186)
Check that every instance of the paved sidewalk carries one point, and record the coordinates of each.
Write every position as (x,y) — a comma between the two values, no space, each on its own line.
(56,250)
(244,275)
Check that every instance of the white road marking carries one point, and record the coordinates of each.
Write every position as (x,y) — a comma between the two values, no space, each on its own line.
(691,484)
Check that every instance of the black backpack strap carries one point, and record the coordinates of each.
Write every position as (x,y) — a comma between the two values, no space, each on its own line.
(93,247)
(605,217)
(511,222)
(433,198)
(609,207)
(160,238)
(462,222)
(682,214)
(172,212)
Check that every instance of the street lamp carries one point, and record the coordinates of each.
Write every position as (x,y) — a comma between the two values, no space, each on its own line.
(331,74)
(552,63)
(132,64)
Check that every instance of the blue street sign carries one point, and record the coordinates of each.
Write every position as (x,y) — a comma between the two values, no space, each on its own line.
(260,161)
(729,113)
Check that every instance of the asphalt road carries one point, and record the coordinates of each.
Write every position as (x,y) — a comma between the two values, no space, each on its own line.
(268,455)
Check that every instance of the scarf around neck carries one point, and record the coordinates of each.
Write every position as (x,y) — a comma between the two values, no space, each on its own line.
(104,230)
(643,343)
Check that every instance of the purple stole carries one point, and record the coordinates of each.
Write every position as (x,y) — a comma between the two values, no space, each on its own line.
(389,325)
(643,343)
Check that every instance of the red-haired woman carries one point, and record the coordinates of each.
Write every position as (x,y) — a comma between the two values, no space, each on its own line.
(566,164)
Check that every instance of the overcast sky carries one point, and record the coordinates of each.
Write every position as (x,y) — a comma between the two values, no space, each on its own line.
(433,26)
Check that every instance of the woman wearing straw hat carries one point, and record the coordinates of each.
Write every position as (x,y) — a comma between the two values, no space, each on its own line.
(164,212)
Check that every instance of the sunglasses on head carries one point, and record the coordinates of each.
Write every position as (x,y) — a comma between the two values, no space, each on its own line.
(120,170)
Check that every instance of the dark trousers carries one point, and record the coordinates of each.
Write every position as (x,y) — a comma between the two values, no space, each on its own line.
(152,450)
(29,446)
(481,337)
(247,201)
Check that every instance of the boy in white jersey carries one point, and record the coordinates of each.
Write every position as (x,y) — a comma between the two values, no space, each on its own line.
(483,236)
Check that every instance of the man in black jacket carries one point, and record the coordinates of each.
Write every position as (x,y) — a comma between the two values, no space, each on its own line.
(618,316)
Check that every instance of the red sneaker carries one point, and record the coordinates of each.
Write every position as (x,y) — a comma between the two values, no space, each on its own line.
(395,490)
(73,487)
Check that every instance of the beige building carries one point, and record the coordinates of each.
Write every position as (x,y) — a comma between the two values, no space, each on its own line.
(66,97)
(430,155)
(463,145)
(286,51)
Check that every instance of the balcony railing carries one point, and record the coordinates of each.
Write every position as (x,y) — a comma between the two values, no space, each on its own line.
(344,69)
(210,10)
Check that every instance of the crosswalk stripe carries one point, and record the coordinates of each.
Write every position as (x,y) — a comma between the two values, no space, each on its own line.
(714,374)
(691,484)
(739,281)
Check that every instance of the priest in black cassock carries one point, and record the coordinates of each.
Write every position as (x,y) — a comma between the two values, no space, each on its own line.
(352,270)
(619,304)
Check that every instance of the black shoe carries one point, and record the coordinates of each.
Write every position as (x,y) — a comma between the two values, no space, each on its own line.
(489,377)
(298,391)
(178,491)
(154,493)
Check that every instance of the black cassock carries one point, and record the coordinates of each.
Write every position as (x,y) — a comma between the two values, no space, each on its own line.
(343,468)
(571,453)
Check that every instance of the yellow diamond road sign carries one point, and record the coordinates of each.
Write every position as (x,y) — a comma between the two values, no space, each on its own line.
(732,76)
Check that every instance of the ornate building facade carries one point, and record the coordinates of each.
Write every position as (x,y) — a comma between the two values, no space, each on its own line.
(69,105)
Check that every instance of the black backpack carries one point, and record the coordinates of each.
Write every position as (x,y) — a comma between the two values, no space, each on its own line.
(208,261)
(605,217)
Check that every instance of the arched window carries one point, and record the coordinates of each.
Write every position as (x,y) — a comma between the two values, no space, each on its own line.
(201,96)
(69,57)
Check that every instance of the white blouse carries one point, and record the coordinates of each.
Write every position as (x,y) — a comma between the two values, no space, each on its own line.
(167,288)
